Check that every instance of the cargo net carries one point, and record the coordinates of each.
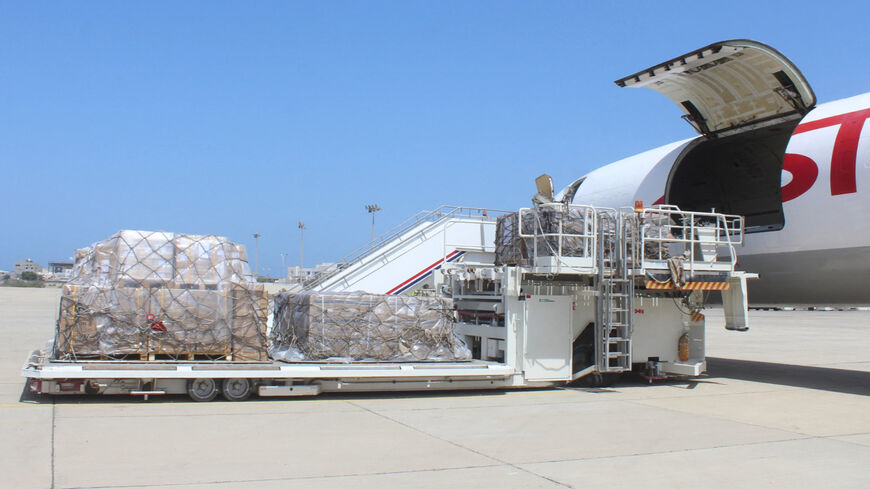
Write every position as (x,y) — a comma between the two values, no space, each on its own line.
(356,326)
(657,227)
(156,295)
(513,249)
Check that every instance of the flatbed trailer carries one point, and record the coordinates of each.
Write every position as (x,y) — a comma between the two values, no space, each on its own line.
(600,292)
(202,381)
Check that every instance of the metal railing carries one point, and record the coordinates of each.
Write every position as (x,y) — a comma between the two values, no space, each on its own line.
(562,235)
(398,232)
(564,238)
(700,240)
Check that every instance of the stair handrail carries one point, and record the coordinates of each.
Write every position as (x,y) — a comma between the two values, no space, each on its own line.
(434,217)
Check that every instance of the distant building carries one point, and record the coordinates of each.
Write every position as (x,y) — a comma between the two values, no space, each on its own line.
(27,265)
(60,270)
(296,275)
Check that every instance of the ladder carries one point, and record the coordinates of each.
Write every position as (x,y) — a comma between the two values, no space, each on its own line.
(617,251)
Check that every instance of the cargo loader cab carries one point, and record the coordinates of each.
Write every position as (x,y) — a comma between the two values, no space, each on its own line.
(745,99)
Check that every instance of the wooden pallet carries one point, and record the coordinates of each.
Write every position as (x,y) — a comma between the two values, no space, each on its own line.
(187,356)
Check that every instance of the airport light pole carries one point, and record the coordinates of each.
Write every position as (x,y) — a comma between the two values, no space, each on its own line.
(301,247)
(372,208)
(256,255)
(284,264)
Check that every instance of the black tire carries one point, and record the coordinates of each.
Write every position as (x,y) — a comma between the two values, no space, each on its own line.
(236,389)
(202,390)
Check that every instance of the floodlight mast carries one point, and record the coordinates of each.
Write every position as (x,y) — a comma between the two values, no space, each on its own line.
(372,208)
(256,255)
(301,246)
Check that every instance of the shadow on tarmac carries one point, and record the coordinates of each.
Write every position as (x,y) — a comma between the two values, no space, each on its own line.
(822,378)
(31,398)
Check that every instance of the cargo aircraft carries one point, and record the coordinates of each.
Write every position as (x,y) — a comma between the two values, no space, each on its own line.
(798,172)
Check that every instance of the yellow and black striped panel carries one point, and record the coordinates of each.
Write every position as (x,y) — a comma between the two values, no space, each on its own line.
(652,284)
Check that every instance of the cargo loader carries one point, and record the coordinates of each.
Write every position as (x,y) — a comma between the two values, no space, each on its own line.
(564,293)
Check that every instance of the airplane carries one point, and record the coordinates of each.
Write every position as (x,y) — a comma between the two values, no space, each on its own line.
(798,172)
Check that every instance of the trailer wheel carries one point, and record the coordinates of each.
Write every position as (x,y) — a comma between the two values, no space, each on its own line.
(202,390)
(236,389)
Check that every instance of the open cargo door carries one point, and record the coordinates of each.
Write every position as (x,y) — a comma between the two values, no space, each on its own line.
(730,87)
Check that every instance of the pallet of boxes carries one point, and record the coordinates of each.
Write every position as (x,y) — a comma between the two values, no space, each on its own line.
(162,296)
(362,327)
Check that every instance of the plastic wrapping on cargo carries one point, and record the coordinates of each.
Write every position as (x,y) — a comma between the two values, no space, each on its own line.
(656,231)
(162,295)
(510,248)
(513,249)
(356,326)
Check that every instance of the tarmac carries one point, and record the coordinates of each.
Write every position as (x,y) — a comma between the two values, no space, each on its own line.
(783,405)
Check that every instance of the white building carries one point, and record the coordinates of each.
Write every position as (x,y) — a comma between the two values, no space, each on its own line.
(27,265)
(297,275)
(59,271)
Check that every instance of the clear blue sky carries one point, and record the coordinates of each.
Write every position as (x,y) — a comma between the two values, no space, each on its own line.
(234,118)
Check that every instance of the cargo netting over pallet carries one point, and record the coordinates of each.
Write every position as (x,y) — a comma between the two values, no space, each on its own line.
(157,295)
(545,231)
(356,326)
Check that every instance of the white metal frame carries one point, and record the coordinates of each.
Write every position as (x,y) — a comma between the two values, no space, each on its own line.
(699,237)
(554,260)
(703,241)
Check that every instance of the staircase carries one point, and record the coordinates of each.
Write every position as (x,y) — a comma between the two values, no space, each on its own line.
(614,314)
(406,256)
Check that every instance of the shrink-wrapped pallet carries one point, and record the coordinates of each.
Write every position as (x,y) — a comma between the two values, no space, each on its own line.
(510,248)
(162,295)
(539,234)
(356,326)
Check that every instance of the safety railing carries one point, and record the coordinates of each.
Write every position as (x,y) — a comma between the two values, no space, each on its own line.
(560,238)
(697,241)
(402,232)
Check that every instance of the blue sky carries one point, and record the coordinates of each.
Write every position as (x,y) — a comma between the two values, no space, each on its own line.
(234,118)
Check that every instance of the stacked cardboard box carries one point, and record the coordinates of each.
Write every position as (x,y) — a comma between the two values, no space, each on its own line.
(155,293)
(358,326)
